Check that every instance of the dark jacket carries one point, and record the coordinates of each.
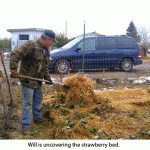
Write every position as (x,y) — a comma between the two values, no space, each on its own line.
(34,62)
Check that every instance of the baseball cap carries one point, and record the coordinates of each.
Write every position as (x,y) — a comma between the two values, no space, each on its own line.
(50,34)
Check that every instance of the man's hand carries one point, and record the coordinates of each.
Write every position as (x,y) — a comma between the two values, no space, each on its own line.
(50,82)
(14,73)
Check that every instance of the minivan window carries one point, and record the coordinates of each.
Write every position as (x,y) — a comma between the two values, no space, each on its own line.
(106,43)
(72,43)
(89,44)
(126,43)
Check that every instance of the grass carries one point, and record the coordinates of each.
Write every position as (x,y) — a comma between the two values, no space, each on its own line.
(146,59)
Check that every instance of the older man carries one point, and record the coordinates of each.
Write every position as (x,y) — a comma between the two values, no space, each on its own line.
(34,56)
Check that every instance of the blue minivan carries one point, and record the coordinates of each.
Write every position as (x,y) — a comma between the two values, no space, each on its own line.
(99,52)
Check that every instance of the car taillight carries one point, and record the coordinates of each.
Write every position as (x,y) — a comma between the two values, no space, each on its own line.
(3,55)
(140,54)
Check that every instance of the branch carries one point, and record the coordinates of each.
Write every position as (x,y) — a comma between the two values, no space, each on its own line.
(5,109)
(7,80)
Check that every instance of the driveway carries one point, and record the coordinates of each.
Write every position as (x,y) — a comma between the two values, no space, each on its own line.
(138,71)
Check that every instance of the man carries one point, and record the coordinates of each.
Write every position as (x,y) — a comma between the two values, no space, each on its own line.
(34,56)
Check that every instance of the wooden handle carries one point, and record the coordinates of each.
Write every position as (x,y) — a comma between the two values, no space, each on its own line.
(37,79)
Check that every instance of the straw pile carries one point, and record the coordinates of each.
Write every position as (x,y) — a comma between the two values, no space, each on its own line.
(126,99)
(105,114)
(81,91)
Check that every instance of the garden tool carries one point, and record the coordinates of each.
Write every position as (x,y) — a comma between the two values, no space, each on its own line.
(66,87)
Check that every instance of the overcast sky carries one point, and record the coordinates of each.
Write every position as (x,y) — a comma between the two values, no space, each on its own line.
(108,17)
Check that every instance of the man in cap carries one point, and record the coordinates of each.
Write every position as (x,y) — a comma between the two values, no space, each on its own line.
(34,56)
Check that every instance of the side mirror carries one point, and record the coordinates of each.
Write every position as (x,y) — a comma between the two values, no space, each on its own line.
(78,49)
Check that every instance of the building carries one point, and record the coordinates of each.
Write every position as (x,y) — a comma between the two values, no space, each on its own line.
(19,36)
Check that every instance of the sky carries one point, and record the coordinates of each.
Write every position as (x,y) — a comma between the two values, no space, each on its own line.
(107,17)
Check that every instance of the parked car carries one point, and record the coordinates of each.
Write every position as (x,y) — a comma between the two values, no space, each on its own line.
(148,53)
(6,55)
(99,52)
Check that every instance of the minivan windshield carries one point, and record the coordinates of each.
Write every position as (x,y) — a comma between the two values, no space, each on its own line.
(72,43)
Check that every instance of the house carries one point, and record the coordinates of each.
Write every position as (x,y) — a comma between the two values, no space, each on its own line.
(19,36)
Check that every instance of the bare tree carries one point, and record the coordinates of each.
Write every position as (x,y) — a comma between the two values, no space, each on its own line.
(144,34)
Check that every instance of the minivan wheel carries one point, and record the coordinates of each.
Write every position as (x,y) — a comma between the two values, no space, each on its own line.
(62,66)
(126,65)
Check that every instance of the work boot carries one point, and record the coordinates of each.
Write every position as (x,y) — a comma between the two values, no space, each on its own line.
(39,121)
(27,131)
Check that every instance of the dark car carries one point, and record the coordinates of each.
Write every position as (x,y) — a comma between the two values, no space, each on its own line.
(99,52)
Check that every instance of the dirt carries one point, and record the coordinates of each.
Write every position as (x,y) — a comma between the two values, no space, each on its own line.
(139,70)
(115,114)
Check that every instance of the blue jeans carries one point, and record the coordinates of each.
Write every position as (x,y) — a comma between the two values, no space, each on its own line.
(31,98)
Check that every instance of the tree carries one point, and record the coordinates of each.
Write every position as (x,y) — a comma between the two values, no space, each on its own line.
(132,32)
(144,35)
(62,40)
(5,45)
